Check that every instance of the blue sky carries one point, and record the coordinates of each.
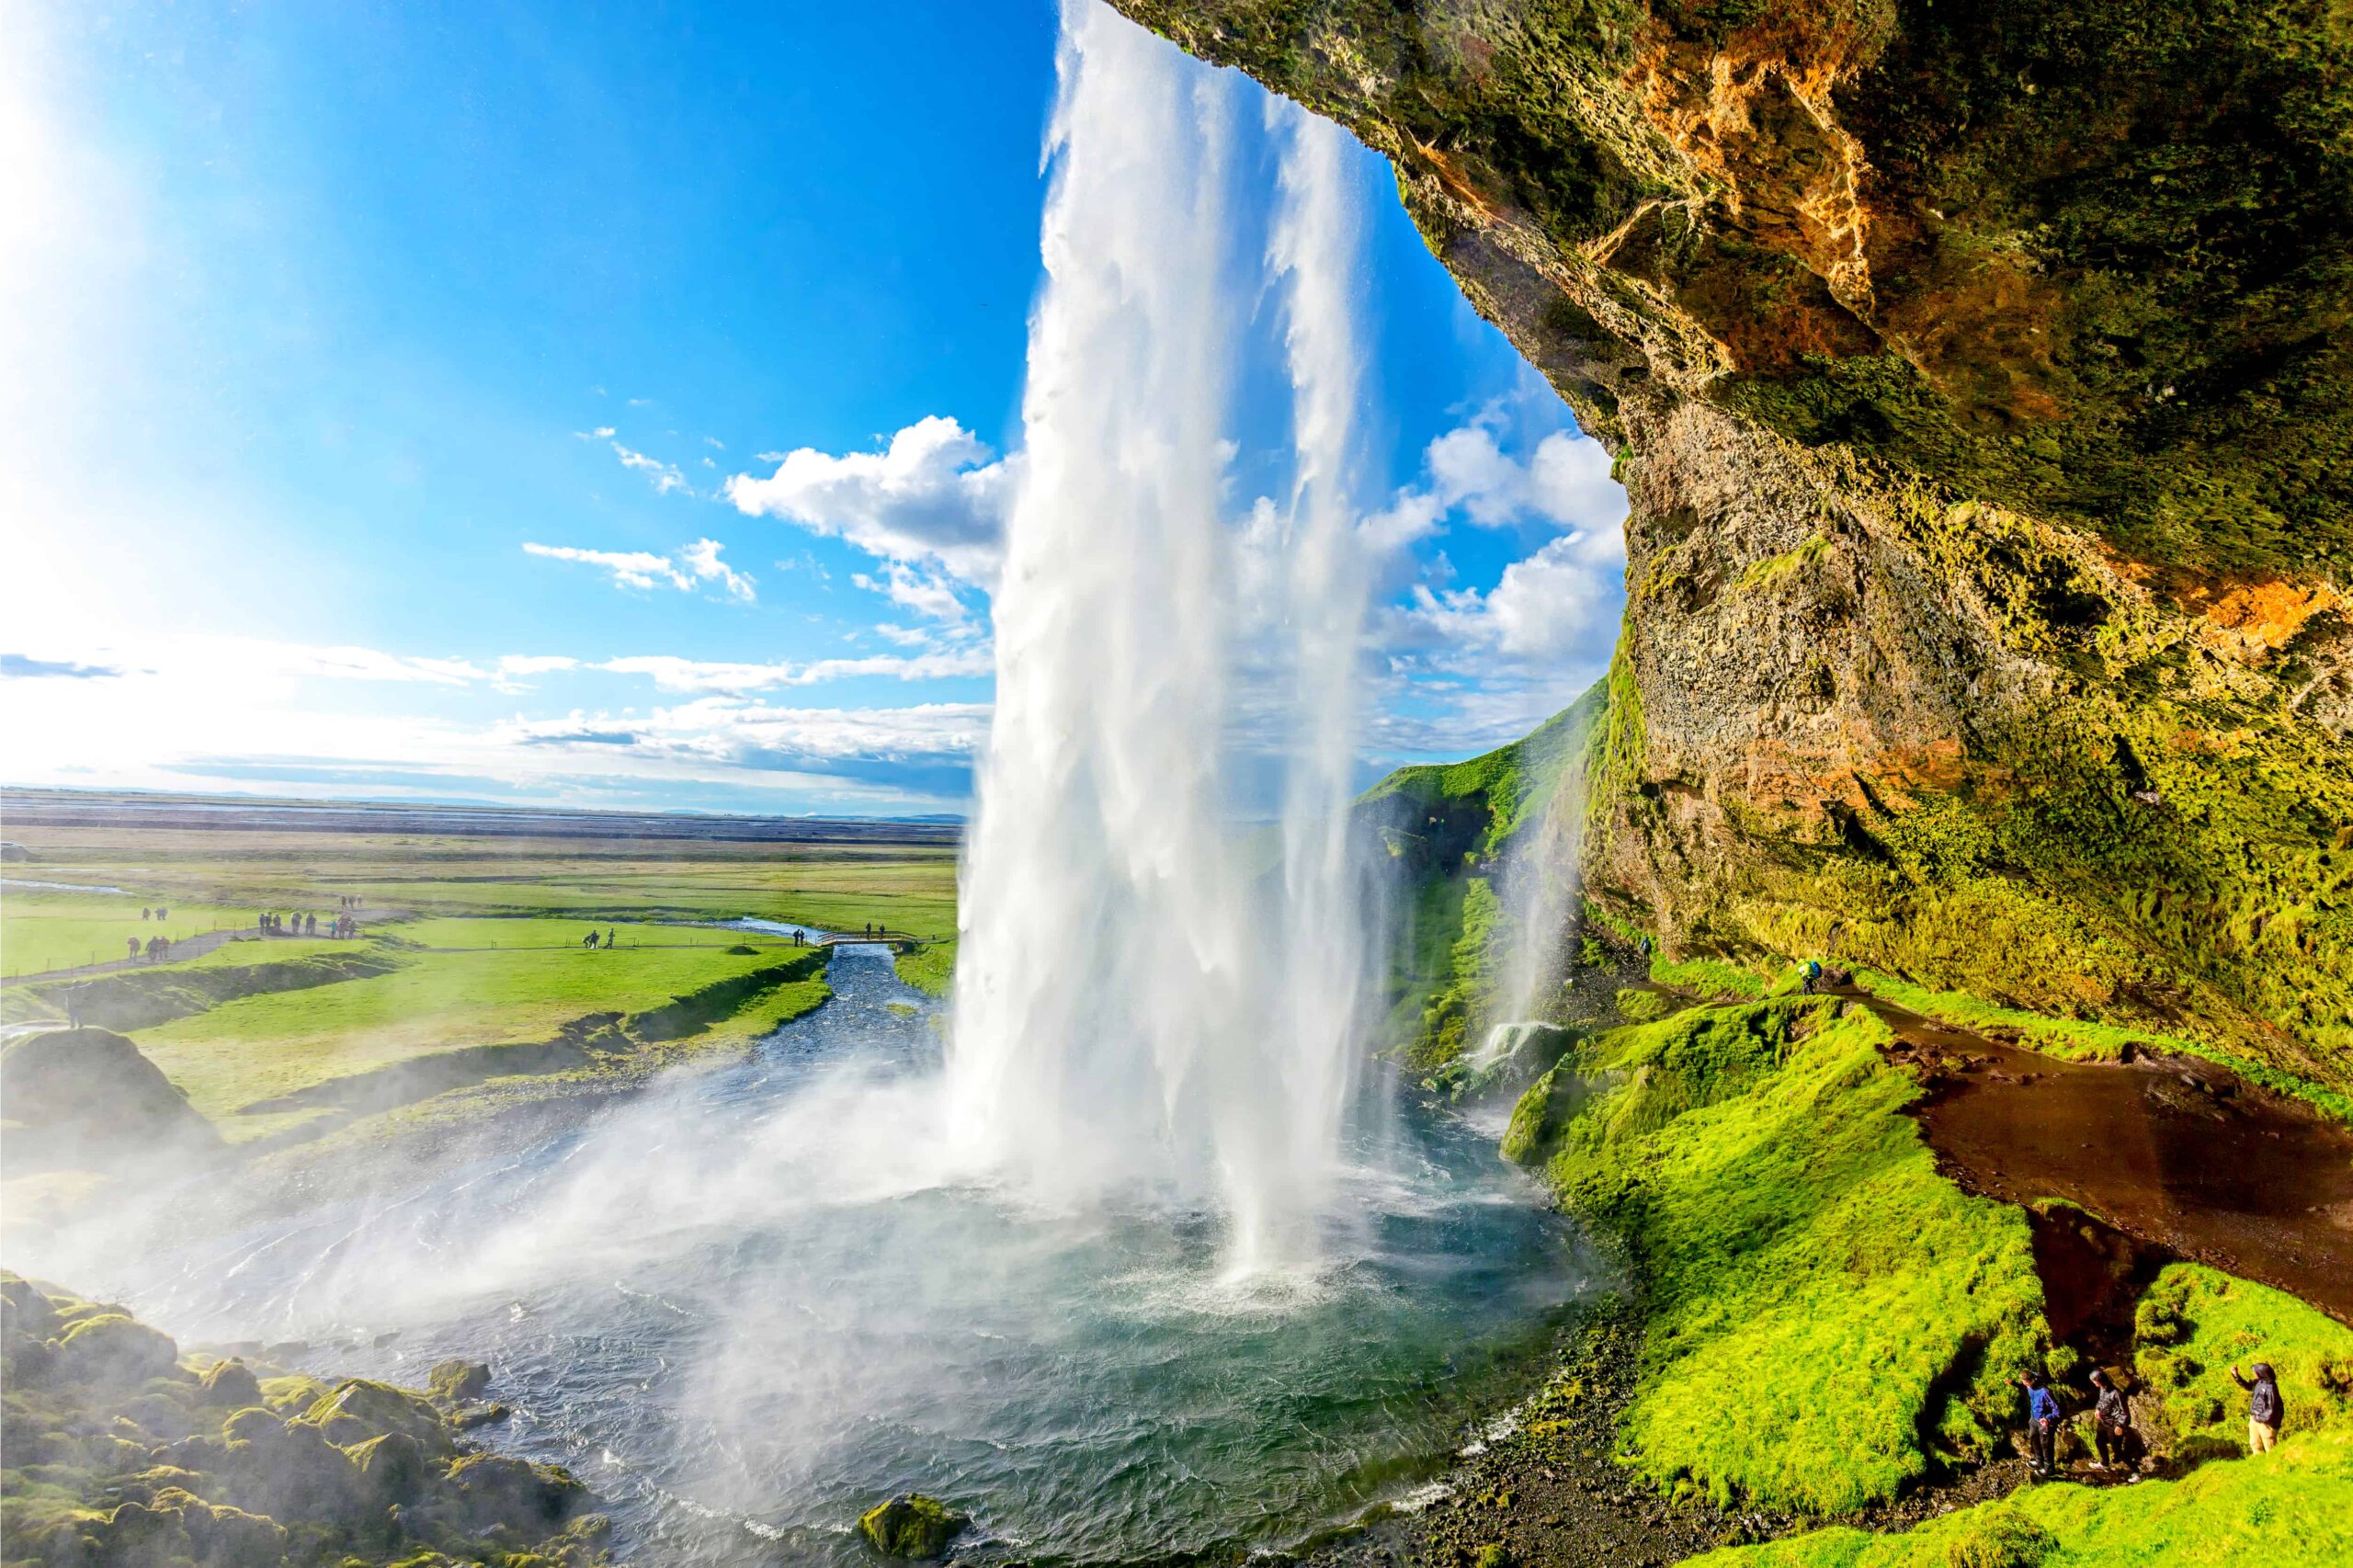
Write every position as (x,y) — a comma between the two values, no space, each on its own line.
(603,405)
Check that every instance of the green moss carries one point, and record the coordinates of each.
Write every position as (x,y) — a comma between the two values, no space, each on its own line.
(912,1526)
(1460,1011)
(2194,1324)
(1708,977)
(2293,1504)
(1616,743)
(930,968)
(1638,1006)
(1447,826)
(1766,573)
(1790,1229)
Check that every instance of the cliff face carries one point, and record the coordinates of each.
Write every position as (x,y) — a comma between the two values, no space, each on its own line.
(1979,375)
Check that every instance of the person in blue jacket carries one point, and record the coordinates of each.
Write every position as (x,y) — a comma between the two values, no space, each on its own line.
(2041,1424)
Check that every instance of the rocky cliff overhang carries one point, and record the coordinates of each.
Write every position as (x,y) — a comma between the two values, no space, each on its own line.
(1979,375)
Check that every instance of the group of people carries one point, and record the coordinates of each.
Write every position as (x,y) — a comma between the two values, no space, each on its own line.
(2115,1444)
(590,939)
(155,949)
(274,925)
(156,913)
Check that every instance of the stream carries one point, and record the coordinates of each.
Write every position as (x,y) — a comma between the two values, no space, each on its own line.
(756,1300)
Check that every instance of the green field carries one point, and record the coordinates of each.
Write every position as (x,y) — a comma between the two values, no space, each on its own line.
(470,967)
(910,888)
(41,929)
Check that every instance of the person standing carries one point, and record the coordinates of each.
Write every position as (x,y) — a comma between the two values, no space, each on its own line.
(2111,1424)
(2264,1409)
(2042,1425)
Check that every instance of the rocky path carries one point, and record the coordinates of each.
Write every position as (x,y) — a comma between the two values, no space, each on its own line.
(2178,1154)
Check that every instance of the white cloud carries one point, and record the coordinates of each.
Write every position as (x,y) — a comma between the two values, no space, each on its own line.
(731,728)
(630,568)
(664,478)
(1559,603)
(1564,484)
(933,496)
(671,673)
(701,557)
(692,564)
(715,443)
(928,593)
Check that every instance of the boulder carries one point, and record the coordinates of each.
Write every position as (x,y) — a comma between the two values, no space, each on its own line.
(288,1470)
(393,1468)
(911,1526)
(88,1096)
(357,1409)
(1526,1051)
(114,1349)
(452,1383)
(231,1385)
(487,1491)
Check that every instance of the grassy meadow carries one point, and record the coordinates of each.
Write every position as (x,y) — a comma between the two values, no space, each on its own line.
(471,957)
(43,928)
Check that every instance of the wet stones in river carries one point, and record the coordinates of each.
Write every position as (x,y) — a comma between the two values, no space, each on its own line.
(913,1526)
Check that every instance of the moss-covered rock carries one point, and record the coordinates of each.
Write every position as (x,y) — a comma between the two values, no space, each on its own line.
(114,1349)
(231,1384)
(357,1410)
(120,1456)
(87,1096)
(912,1526)
(454,1383)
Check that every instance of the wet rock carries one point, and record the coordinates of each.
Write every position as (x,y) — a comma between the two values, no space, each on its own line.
(358,1409)
(913,1526)
(113,1350)
(393,1468)
(489,1491)
(231,1385)
(474,1415)
(456,1382)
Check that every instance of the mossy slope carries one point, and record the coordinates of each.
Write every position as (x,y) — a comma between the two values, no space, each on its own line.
(1830,1319)
(2294,1505)
(1452,833)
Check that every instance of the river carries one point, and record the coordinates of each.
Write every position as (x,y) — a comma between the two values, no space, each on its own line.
(752,1301)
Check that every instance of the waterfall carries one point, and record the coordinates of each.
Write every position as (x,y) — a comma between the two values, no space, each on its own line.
(1139,1000)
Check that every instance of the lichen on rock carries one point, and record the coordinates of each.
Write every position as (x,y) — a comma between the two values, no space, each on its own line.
(911,1526)
(119,1452)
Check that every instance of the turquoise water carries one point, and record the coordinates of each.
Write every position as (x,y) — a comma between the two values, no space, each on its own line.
(751,1303)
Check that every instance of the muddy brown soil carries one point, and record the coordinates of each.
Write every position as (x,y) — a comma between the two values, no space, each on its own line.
(2182,1156)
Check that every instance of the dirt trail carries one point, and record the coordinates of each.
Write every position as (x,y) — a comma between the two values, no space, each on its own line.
(2178,1154)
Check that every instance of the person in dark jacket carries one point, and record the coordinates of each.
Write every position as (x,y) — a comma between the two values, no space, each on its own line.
(2042,1425)
(2264,1409)
(2111,1424)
